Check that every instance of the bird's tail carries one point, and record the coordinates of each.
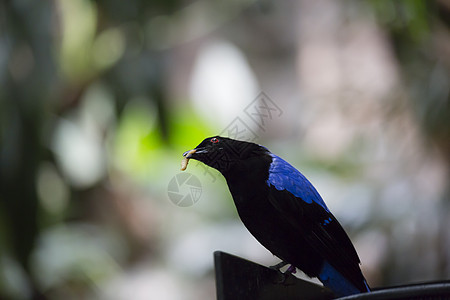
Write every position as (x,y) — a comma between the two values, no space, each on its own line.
(340,285)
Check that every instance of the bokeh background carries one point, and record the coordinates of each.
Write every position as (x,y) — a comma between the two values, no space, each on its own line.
(99,99)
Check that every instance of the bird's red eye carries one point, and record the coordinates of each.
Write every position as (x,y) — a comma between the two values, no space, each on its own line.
(214,140)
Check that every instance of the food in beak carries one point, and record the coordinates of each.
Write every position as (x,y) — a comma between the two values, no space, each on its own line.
(185,160)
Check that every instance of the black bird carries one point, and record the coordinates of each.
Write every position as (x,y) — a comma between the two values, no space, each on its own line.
(284,212)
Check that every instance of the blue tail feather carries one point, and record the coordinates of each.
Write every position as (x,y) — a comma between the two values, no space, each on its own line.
(335,281)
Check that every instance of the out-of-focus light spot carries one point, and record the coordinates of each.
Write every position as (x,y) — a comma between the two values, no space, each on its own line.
(98,107)
(108,48)
(77,253)
(78,141)
(137,139)
(78,30)
(186,127)
(79,153)
(223,83)
(146,281)
(13,279)
(52,191)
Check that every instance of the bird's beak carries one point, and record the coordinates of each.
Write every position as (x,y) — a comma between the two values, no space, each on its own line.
(191,154)
(188,154)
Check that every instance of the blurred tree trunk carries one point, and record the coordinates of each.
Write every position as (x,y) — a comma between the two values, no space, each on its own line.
(25,97)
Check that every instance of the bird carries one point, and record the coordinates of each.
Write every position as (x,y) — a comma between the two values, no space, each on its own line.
(284,212)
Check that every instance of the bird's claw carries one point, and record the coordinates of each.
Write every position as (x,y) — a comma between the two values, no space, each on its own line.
(291,270)
(284,275)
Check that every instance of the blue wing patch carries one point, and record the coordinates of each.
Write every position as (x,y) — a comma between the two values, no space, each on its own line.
(283,176)
(337,282)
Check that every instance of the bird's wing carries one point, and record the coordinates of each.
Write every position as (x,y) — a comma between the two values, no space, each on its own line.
(293,196)
(283,176)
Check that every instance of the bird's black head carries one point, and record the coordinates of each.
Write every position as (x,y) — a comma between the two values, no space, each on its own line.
(224,153)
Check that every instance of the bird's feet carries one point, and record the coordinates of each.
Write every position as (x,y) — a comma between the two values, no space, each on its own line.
(291,270)
(284,275)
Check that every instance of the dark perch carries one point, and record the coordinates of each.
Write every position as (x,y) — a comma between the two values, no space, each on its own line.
(237,279)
